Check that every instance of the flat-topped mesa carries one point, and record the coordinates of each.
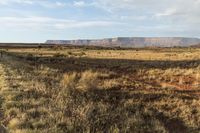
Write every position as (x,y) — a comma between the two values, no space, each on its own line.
(133,42)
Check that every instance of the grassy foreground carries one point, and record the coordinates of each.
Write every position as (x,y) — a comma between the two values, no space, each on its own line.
(63,90)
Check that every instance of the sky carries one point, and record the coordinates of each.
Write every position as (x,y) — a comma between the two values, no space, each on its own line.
(41,20)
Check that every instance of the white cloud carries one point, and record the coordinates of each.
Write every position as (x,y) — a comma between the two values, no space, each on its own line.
(2,2)
(79,3)
(7,2)
(183,11)
(60,4)
(143,15)
(48,4)
(111,5)
(137,18)
(35,22)
(44,3)
(24,1)
(85,24)
(168,12)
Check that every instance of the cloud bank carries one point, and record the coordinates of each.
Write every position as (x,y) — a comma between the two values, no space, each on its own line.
(103,17)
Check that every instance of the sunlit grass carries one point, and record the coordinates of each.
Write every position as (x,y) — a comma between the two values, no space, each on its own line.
(78,90)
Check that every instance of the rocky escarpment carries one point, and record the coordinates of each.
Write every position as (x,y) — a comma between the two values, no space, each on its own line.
(133,42)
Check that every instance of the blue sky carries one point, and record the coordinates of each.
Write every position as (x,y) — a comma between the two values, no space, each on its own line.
(40,20)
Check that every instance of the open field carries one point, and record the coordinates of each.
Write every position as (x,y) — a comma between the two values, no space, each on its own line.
(84,89)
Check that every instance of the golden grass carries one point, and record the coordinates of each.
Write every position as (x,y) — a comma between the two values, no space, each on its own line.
(138,54)
(83,81)
(96,91)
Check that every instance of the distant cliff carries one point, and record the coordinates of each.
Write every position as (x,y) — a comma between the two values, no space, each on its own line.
(133,42)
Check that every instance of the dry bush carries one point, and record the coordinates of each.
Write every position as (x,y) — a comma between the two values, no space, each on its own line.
(69,80)
(88,80)
(84,81)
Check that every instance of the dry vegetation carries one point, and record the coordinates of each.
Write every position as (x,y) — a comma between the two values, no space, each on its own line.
(67,89)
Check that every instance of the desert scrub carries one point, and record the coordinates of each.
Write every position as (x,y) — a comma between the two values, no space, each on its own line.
(109,97)
(73,100)
(76,85)
(84,81)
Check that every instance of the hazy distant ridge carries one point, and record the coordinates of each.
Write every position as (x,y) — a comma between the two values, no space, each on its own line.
(133,42)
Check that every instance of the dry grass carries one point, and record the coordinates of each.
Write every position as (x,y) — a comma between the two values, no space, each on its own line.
(100,91)
(138,54)
(83,81)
